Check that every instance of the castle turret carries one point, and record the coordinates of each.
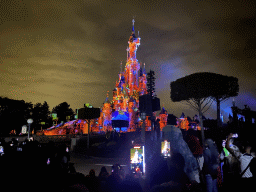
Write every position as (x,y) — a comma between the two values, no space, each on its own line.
(163,118)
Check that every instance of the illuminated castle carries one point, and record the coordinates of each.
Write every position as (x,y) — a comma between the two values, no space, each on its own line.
(130,85)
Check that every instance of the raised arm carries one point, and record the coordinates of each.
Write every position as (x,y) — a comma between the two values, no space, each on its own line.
(228,145)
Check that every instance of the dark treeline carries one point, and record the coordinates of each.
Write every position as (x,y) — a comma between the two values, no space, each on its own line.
(15,113)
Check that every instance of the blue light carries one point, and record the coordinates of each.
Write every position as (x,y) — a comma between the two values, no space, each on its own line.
(106,123)
(117,116)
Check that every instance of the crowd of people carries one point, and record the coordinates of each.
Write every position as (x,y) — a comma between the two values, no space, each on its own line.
(226,167)
(230,167)
(32,166)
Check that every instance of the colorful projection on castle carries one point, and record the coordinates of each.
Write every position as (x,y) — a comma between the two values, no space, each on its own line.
(124,106)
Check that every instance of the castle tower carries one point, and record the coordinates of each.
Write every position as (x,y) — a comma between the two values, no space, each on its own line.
(130,85)
(132,66)
(183,122)
(163,118)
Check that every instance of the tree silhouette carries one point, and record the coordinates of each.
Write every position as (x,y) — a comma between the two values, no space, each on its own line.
(223,88)
(200,89)
(195,90)
(40,114)
(13,114)
(63,110)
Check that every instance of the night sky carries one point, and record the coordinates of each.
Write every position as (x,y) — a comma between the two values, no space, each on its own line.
(63,50)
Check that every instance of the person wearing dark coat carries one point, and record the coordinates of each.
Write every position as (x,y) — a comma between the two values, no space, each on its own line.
(103,176)
(211,164)
(92,182)
(130,184)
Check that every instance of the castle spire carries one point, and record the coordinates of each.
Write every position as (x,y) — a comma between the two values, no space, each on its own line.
(107,99)
(133,21)
(134,43)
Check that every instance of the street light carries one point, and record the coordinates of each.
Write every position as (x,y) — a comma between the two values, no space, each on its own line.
(29,123)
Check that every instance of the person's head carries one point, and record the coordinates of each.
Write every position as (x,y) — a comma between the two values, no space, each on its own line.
(171,120)
(237,142)
(209,143)
(103,169)
(247,148)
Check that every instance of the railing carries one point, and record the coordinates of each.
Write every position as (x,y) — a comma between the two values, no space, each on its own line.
(54,138)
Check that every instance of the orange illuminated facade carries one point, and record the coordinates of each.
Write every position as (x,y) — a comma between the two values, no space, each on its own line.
(163,118)
(183,122)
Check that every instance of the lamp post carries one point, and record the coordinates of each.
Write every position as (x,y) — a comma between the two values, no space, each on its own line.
(29,123)
(143,117)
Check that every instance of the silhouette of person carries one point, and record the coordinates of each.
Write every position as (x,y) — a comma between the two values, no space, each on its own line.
(113,183)
(92,182)
(130,184)
(173,175)
(103,177)
(211,164)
